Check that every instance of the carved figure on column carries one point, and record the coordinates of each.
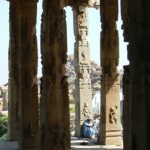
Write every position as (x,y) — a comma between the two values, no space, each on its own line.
(86,111)
(82,20)
(112,114)
(59,132)
(29,131)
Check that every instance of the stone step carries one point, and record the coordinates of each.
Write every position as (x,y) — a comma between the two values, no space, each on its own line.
(8,145)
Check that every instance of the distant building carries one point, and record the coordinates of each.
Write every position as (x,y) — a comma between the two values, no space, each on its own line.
(96,103)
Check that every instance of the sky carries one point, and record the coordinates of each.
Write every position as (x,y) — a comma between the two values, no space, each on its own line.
(93,36)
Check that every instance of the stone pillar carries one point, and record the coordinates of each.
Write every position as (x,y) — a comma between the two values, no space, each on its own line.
(28,91)
(55,126)
(138,54)
(110,83)
(13,122)
(127,103)
(83,97)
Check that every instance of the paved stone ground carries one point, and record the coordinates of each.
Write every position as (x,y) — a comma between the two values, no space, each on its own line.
(8,145)
(76,144)
(90,144)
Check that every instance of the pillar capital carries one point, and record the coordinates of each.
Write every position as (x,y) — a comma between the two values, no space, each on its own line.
(83,3)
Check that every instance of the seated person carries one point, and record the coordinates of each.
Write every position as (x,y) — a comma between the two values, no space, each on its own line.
(89,130)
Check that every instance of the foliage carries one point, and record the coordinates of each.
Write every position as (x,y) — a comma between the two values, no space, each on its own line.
(3,126)
(72,109)
(71,100)
(4,137)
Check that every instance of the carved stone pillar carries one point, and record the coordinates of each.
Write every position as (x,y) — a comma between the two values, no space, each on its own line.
(83,97)
(127,84)
(110,84)
(13,122)
(55,126)
(28,95)
(138,53)
(127,103)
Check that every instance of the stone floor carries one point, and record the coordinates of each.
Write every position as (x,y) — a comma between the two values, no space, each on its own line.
(90,144)
(8,145)
(76,144)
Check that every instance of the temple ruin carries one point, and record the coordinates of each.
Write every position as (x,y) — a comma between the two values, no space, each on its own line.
(52,132)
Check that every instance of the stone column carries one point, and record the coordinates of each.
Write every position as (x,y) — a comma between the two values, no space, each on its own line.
(127,103)
(138,54)
(110,83)
(28,92)
(13,122)
(55,126)
(83,97)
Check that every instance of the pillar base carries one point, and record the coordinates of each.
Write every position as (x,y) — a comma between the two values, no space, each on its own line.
(111,138)
(78,131)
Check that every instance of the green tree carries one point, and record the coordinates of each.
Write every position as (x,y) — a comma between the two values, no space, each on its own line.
(3,126)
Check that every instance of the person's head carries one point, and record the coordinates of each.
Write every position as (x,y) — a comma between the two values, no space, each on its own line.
(89,120)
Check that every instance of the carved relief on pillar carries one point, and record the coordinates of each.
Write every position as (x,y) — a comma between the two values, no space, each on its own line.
(57,24)
(83,48)
(54,57)
(82,37)
(113,114)
(82,20)
(81,27)
(110,45)
(110,68)
(86,111)
(84,76)
(59,132)
(109,33)
(84,56)
(29,131)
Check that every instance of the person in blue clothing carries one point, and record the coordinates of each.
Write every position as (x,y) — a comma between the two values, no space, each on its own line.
(89,130)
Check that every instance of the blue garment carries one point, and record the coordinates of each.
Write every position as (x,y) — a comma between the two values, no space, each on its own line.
(88,131)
